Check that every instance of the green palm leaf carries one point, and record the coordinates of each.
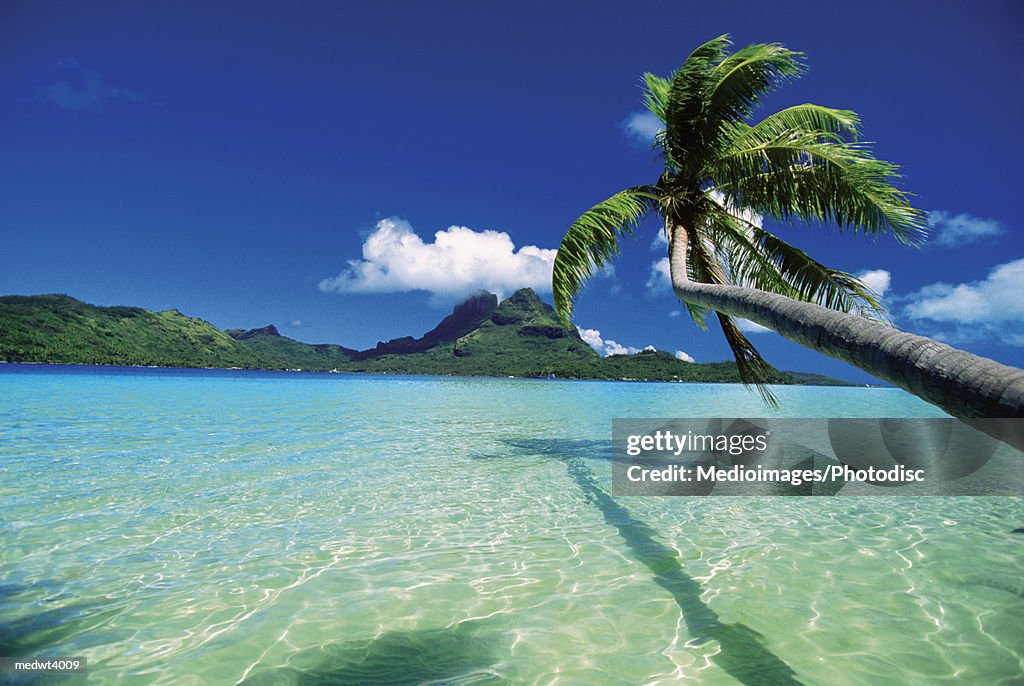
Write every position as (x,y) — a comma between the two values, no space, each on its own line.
(656,90)
(686,135)
(753,369)
(742,78)
(593,240)
(824,123)
(704,266)
(799,176)
(757,258)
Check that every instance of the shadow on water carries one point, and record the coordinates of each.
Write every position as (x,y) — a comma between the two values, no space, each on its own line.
(26,628)
(562,448)
(31,633)
(461,655)
(743,654)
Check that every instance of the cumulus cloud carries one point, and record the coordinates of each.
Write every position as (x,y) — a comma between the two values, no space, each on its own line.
(642,127)
(658,279)
(458,263)
(607,347)
(951,230)
(877,280)
(592,337)
(613,348)
(990,309)
(296,323)
(86,92)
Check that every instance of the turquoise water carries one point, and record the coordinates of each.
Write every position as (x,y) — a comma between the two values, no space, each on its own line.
(272,528)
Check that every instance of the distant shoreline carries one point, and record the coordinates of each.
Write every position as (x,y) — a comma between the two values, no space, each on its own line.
(139,367)
(520,337)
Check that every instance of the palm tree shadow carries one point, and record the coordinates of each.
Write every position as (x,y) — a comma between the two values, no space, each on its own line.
(29,626)
(560,448)
(743,654)
(462,654)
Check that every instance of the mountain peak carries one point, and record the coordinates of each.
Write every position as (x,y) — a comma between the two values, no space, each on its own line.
(269,330)
(526,296)
(525,306)
(465,317)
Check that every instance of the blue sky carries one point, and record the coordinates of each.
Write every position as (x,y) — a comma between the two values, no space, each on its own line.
(291,163)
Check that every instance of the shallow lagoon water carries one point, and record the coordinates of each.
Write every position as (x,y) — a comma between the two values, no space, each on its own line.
(215,527)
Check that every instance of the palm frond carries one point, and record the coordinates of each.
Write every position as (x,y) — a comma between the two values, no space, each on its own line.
(655,99)
(698,314)
(757,258)
(800,175)
(685,134)
(814,282)
(705,267)
(826,122)
(656,90)
(740,80)
(753,369)
(593,239)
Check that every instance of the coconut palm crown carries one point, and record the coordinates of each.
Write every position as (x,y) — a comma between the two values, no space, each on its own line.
(722,174)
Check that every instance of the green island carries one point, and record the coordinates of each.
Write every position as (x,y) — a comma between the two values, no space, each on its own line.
(520,336)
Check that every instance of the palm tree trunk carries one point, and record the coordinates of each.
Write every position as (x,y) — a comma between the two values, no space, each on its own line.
(962,384)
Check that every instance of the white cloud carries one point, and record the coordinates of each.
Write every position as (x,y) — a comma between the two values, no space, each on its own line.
(996,298)
(613,348)
(607,274)
(89,93)
(296,323)
(458,263)
(952,230)
(877,280)
(991,309)
(606,347)
(659,280)
(660,242)
(747,326)
(642,127)
(675,313)
(591,337)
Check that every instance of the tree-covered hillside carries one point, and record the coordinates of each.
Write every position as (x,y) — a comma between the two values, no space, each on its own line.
(520,336)
(60,329)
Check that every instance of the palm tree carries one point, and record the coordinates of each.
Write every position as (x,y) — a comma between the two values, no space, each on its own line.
(803,162)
